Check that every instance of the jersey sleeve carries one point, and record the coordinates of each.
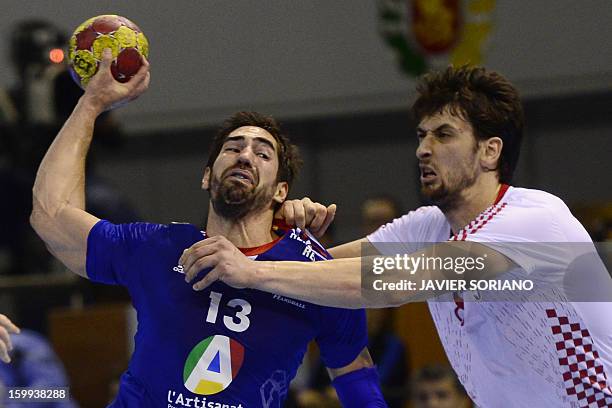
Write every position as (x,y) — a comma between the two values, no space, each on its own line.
(342,336)
(411,232)
(541,239)
(112,248)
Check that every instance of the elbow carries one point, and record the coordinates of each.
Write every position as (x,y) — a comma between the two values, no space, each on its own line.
(40,219)
(37,221)
(42,213)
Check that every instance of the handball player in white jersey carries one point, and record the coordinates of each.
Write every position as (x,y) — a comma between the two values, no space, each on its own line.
(551,347)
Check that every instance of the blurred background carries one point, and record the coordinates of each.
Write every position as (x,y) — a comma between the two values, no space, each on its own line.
(340,76)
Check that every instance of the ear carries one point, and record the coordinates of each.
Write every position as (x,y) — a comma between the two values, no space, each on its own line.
(491,153)
(280,195)
(206,179)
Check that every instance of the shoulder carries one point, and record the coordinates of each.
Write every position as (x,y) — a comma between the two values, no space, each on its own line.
(424,224)
(529,215)
(130,234)
(533,199)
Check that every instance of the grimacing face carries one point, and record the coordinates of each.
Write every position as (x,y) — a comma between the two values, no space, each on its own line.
(448,156)
(243,178)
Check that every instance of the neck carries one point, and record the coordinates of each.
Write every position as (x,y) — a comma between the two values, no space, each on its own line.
(472,201)
(253,230)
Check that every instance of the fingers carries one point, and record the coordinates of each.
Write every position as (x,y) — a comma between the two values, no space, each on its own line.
(107,58)
(6,327)
(4,356)
(5,340)
(141,85)
(330,214)
(198,257)
(210,278)
(6,322)
(299,213)
(142,72)
(320,213)
(287,213)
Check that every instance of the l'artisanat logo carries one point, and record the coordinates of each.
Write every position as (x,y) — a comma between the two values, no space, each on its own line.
(436,33)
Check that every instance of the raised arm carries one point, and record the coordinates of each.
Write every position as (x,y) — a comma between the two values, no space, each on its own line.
(58,208)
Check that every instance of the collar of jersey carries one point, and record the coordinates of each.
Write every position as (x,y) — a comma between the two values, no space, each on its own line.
(501,193)
(279,227)
(259,249)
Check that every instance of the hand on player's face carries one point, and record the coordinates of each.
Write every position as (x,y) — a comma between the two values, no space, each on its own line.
(225,261)
(6,327)
(305,213)
(104,92)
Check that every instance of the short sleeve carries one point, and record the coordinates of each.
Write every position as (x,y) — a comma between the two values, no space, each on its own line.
(411,232)
(342,336)
(528,237)
(111,249)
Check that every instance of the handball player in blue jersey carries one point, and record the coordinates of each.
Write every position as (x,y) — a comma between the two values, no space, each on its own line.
(222,347)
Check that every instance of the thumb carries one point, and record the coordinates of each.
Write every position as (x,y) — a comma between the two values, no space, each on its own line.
(107,57)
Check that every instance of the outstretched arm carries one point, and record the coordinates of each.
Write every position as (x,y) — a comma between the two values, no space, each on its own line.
(338,282)
(58,208)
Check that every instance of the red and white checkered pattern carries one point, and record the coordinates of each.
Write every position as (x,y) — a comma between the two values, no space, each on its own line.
(479,222)
(583,375)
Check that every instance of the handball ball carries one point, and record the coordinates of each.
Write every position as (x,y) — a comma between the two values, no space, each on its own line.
(126,40)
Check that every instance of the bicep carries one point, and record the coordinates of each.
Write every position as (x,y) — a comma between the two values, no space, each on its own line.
(349,250)
(363,360)
(65,235)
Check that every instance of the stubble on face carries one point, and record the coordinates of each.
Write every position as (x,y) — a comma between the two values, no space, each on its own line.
(456,171)
(233,199)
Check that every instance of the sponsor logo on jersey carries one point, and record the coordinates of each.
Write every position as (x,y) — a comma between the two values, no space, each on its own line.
(212,365)
(289,301)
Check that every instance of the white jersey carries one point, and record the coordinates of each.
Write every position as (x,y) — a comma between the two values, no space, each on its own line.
(518,354)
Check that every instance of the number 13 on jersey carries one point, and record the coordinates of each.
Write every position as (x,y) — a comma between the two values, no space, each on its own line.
(242,310)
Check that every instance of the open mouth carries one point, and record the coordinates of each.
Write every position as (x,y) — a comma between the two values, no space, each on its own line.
(242,175)
(427,174)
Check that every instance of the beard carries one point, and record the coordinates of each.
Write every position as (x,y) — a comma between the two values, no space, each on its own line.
(448,194)
(233,200)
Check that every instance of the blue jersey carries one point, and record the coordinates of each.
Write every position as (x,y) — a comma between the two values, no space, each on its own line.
(221,347)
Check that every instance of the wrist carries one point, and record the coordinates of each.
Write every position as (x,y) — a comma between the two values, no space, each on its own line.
(261,271)
(90,105)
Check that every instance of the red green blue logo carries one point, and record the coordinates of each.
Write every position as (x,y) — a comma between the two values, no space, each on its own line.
(212,365)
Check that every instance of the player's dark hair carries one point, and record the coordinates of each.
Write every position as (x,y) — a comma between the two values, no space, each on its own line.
(485,98)
(438,372)
(288,154)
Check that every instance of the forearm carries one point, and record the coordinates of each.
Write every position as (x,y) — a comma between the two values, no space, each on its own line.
(58,215)
(335,283)
(60,180)
(349,250)
(360,388)
(338,282)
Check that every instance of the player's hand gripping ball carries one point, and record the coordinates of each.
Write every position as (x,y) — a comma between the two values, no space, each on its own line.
(125,39)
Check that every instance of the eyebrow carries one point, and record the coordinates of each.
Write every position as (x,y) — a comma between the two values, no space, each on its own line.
(257,138)
(444,126)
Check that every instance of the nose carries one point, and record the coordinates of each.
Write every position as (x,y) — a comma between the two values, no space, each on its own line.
(424,149)
(246,156)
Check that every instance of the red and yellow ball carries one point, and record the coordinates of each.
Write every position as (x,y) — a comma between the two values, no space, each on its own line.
(125,39)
